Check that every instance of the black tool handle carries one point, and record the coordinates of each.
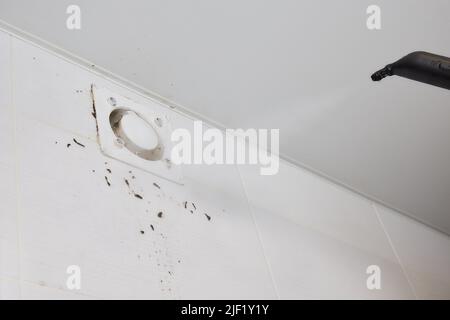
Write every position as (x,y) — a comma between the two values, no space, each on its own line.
(419,66)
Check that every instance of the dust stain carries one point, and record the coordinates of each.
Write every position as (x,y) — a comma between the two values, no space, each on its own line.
(78,143)
(94,110)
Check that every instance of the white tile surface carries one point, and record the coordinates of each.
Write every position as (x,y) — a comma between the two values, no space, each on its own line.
(70,215)
(308,264)
(51,89)
(57,91)
(319,238)
(5,63)
(306,199)
(7,116)
(32,291)
(9,289)
(424,252)
(9,254)
(98,227)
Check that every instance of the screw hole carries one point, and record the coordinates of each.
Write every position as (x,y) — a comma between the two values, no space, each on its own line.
(159,122)
(112,101)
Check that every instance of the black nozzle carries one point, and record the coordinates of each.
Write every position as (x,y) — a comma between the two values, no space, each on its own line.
(382,73)
(419,66)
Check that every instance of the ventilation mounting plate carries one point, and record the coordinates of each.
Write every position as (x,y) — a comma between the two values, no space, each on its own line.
(133,133)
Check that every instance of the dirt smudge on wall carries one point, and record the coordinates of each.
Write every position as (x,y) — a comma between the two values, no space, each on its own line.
(78,143)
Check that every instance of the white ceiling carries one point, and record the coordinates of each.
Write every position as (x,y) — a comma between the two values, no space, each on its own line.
(302,66)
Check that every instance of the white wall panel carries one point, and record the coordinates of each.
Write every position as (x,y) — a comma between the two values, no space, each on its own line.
(71,216)
(6,118)
(424,252)
(292,235)
(9,253)
(320,238)
(9,289)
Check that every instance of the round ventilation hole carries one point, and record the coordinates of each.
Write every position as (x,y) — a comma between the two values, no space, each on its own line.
(136,134)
